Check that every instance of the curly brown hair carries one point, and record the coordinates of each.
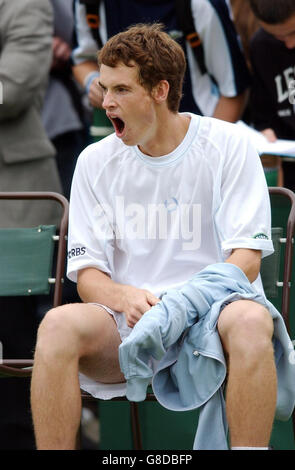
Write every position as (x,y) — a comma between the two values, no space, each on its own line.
(156,54)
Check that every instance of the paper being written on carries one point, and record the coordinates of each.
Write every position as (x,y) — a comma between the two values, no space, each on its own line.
(285,148)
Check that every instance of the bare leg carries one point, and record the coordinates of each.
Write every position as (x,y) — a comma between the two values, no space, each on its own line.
(246,330)
(69,335)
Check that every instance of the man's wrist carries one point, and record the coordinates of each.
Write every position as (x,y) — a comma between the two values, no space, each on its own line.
(89,79)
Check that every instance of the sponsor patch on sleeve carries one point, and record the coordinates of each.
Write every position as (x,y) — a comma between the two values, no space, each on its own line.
(261,235)
(80,251)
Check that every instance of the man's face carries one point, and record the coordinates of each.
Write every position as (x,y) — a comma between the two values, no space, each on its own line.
(284,32)
(128,105)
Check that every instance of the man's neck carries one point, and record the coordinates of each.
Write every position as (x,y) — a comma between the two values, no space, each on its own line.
(167,136)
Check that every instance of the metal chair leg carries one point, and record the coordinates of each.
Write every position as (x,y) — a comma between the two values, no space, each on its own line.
(135,426)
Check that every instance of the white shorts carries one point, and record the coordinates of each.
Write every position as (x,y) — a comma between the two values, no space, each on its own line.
(102,390)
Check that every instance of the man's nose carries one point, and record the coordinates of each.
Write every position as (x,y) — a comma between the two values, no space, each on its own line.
(108,100)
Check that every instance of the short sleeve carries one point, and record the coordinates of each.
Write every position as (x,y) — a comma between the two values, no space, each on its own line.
(243,216)
(91,235)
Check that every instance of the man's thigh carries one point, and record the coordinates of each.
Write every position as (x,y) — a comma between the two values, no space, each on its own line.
(102,362)
(95,334)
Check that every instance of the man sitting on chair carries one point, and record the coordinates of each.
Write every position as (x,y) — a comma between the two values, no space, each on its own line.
(162,198)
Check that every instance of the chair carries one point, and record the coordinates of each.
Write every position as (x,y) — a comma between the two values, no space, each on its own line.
(272,165)
(26,262)
(277,269)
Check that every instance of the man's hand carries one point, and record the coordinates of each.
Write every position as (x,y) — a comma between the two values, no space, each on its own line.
(61,52)
(96,286)
(269,134)
(81,73)
(95,94)
(136,302)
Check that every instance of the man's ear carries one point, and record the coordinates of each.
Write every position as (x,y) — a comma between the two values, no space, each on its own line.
(160,91)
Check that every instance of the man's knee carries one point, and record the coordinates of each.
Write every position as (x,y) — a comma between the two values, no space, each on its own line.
(246,327)
(76,330)
(57,333)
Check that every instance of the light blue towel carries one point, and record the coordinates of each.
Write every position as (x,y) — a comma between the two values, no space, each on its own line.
(180,332)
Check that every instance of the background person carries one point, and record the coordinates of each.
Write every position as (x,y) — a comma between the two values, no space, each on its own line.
(272,53)
(63,113)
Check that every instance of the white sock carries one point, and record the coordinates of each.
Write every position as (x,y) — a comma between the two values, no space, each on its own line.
(249,448)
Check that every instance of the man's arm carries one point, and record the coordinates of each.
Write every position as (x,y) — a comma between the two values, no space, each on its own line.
(86,74)
(248,261)
(95,286)
(269,134)
(26,45)
(80,71)
(223,56)
(231,109)
(84,56)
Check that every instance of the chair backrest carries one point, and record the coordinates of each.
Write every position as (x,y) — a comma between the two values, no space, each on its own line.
(276,270)
(26,254)
(28,266)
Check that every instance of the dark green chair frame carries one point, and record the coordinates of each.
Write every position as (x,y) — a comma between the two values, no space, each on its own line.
(287,240)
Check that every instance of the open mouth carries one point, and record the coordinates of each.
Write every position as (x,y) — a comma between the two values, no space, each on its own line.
(119,125)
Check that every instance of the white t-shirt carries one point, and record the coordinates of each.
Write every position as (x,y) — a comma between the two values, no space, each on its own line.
(152,222)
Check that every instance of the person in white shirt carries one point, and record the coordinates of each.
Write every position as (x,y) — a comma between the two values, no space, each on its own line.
(160,199)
